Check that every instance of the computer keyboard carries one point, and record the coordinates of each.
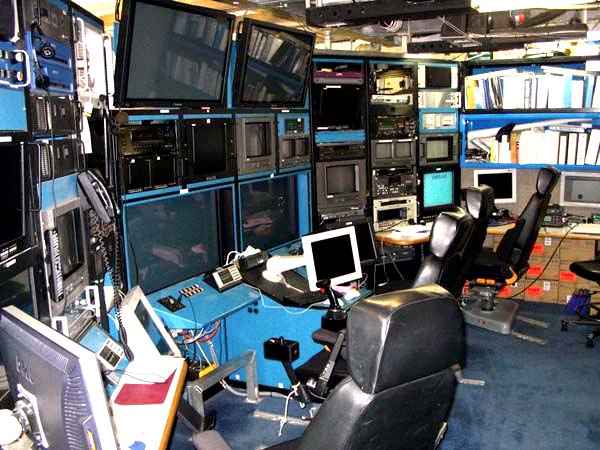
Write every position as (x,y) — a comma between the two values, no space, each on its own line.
(587,228)
(305,298)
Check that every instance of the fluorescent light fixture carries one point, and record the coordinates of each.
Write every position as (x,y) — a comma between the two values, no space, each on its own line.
(509,5)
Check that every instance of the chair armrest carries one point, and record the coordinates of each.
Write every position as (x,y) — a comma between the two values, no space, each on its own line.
(209,440)
(325,337)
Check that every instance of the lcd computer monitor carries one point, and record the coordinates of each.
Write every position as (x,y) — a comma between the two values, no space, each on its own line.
(332,255)
(269,212)
(176,237)
(438,191)
(147,336)
(363,228)
(272,65)
(502,181)
(580,189)
(59,379)
(172,54)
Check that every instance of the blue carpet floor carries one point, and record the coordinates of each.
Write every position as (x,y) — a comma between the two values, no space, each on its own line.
(535,398)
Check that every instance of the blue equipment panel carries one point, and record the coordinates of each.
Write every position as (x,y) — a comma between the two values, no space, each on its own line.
(326,137)
(53,61)
(110,354)
(13,115)
(202,309)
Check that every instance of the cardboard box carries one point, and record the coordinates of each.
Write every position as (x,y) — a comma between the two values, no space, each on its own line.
(577,250)
(545,268)
(544,247)
(565,276)
(509,290)
(545,291)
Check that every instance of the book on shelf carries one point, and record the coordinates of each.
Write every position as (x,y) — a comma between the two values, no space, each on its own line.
(549,88)
(550,143)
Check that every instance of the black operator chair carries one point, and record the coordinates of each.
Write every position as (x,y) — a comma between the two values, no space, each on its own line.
(589,270)
(450,236)
(493,270)
(402,348)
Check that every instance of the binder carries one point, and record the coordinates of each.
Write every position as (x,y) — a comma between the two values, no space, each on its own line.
(562,148)
(591,154)
(572,148)
(581,148)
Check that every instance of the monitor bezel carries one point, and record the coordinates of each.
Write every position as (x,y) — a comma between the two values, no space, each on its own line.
(241,65)
(138,338)
(513,172)
(564,176)
(123,56)
(307,242)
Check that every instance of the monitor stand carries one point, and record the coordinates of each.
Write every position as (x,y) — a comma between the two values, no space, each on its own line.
(500,319)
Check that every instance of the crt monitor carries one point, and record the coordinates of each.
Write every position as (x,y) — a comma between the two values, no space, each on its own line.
(59,379)
(502,181)
(331,255)
(438,191)
(580,189)
(171,53)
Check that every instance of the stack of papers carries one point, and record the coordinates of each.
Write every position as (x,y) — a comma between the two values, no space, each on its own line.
(411,231)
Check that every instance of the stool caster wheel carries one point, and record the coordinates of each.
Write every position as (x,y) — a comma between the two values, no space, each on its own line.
(564,326)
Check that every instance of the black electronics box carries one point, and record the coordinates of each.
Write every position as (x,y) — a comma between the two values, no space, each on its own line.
(280,349)
(252,261)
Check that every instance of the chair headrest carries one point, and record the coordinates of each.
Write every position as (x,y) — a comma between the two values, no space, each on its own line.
(479,201)
(449,231)
(402,336)
(546,180)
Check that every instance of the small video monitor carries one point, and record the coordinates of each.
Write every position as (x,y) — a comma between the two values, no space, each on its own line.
(332,255)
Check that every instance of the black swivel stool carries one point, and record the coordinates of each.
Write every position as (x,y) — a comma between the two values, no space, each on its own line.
(588,270)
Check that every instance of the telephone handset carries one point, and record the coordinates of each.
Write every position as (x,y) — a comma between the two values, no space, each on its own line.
(97,196)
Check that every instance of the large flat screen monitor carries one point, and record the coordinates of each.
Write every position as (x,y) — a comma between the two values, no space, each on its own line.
(171,53)
(272,65)
(59,379)
(331,255)
(269,212)
(174,238)
(502,181)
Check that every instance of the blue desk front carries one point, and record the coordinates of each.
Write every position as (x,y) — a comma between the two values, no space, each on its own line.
(204,308)
(250,321)
(249,329)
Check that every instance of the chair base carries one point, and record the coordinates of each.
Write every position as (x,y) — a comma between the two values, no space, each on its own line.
(499,320)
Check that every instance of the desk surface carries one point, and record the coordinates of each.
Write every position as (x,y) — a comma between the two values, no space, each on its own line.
(397,238)
(549,232)
(148,424)
(208,306)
